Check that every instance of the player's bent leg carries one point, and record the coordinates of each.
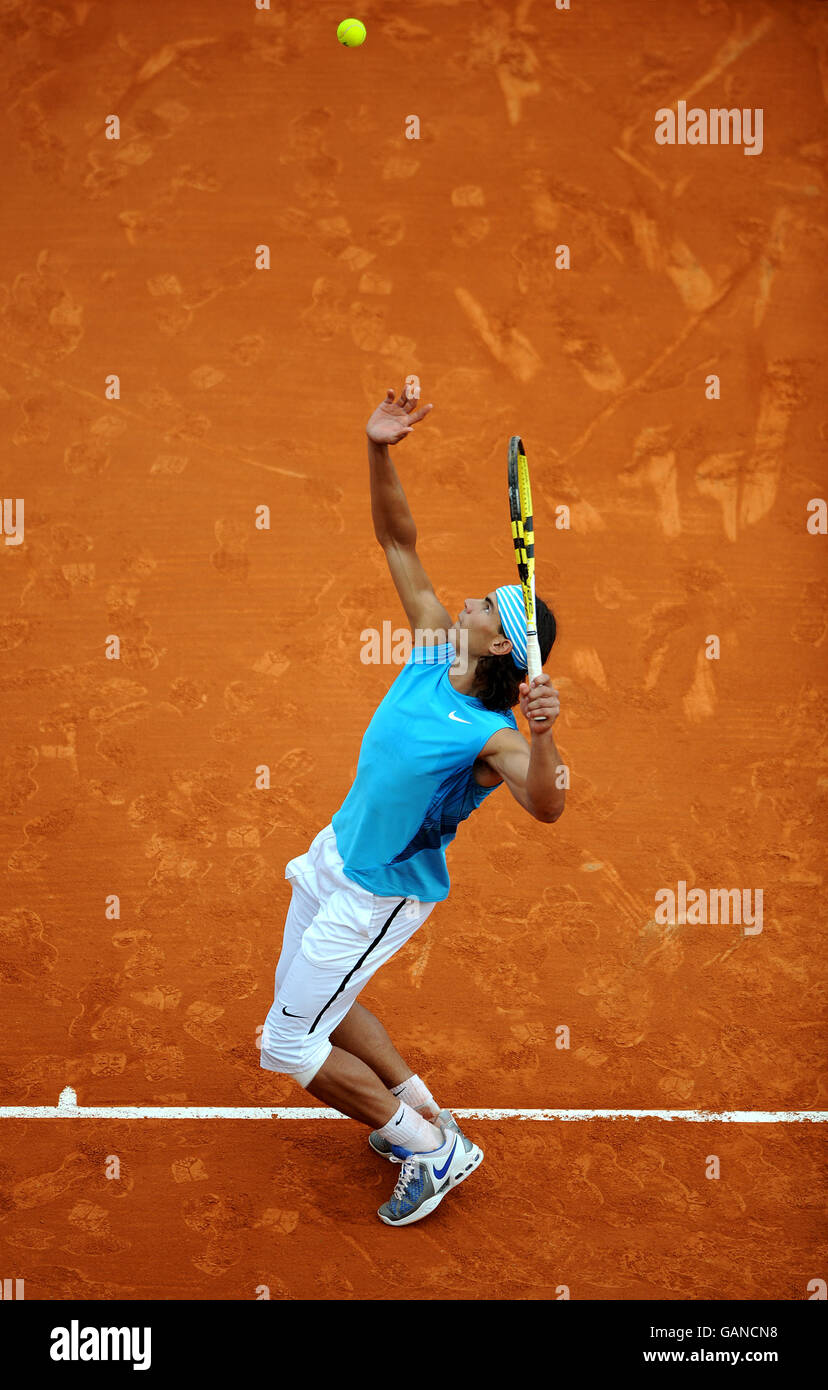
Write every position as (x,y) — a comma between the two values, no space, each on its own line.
(330,1075)
(361,1034)
(350,936)
(350,1086)
(292,1045)
(434,1159)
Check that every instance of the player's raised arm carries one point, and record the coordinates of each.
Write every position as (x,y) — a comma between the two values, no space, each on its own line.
(391,422)
(393,523)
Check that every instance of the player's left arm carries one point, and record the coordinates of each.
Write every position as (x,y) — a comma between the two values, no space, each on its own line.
(532,772)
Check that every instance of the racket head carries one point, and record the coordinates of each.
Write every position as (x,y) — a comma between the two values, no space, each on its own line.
(516,452)
(523,524)
(523,536)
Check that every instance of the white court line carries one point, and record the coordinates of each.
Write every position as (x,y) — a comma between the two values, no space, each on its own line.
(67,1108)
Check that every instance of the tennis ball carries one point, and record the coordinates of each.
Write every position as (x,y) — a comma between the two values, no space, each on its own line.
(351,32)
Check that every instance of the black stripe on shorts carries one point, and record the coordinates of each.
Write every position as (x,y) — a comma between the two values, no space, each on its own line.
(360,962)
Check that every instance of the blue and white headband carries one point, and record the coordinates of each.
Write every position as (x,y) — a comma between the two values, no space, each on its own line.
(513,621)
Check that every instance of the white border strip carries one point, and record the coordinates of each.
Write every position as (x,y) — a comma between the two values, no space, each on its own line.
(67,1108)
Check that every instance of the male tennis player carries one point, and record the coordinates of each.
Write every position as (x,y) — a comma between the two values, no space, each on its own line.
(438,744)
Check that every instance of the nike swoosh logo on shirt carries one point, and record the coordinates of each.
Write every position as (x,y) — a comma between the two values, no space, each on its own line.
(287,1015)
(441,1172)
(458,719)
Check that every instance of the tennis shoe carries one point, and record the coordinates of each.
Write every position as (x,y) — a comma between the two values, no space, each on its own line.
(426,1178)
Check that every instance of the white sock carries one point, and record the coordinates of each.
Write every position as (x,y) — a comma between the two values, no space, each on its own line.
(410,1130)
(415,1093)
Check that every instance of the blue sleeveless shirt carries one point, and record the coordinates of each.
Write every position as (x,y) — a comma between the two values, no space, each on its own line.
(415,782)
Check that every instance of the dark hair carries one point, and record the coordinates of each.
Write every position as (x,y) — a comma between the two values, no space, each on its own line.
(497,678)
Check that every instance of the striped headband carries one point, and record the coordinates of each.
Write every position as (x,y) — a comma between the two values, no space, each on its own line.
(513,621)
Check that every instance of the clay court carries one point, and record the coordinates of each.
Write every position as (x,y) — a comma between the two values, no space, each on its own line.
(242,388)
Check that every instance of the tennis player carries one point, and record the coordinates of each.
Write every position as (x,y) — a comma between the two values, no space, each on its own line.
(442,739)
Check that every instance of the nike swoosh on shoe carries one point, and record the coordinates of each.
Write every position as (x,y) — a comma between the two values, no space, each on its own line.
(440,1173)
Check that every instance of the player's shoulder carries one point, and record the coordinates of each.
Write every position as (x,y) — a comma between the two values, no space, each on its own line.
(502,740)
(429,650)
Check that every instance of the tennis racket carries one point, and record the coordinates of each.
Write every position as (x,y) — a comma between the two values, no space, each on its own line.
(523,535)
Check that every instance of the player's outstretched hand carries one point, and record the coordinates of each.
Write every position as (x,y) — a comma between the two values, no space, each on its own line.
(393,420)
(540,699)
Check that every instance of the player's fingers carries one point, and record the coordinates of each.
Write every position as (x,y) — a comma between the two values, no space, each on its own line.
(420,414)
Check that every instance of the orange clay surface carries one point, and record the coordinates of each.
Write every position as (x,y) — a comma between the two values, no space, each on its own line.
(243,388)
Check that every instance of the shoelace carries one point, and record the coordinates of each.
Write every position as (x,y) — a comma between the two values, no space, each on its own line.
(409,1170)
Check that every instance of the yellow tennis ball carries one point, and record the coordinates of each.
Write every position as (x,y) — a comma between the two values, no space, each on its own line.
(351,32)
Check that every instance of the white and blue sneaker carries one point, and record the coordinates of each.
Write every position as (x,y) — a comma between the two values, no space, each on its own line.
(427,1177)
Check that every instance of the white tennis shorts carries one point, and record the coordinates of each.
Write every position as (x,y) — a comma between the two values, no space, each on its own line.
(337,935)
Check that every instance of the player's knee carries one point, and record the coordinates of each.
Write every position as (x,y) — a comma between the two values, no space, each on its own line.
(292,1066)
(292,1053)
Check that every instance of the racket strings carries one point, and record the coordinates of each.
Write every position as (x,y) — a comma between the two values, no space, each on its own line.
(523,527)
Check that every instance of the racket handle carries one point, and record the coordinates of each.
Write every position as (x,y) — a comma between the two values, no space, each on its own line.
(534,667)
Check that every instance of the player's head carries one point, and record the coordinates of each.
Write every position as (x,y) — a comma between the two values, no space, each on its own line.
(501,657)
